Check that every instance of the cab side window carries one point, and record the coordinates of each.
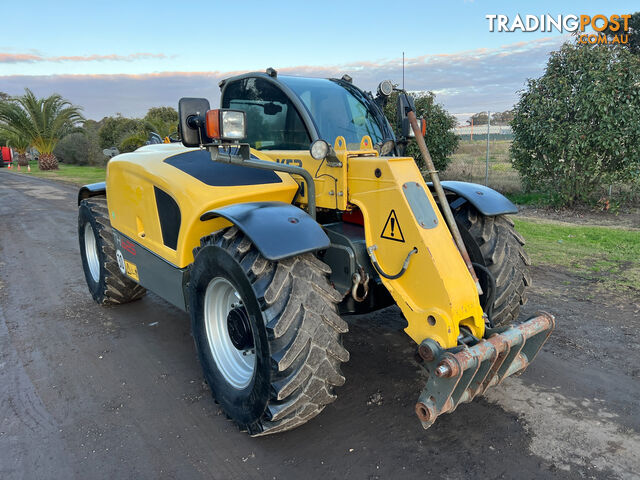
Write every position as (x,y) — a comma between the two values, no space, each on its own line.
(273,123)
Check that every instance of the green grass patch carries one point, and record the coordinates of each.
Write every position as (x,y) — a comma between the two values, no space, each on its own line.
(610,255)
(76,174)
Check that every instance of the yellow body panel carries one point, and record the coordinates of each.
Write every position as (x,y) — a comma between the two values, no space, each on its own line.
(437,282)
(132,204)
(330,181)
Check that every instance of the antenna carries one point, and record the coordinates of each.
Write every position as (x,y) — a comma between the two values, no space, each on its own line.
(402,70)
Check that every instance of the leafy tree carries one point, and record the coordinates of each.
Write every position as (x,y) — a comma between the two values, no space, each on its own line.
(502,118)
(478,119)
(634,33)
(440,140)
(73,149)
(44,121)
(579,124)
(94,152)
(114,129)
(160,120)
(162,115)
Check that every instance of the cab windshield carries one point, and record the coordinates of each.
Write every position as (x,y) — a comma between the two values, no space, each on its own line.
(336,110)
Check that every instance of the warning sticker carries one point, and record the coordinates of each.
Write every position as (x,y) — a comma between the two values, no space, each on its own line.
(131,270)
(392,230)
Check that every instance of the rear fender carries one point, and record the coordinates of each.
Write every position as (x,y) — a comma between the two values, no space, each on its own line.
(278,230)
(486,200)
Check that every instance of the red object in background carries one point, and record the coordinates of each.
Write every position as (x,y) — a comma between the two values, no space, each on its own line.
(6,154)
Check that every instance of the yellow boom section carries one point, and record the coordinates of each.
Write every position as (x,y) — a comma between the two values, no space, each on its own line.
(436,293)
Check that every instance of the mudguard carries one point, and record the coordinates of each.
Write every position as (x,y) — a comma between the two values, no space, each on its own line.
(486,200)
(278,230)
(92,190)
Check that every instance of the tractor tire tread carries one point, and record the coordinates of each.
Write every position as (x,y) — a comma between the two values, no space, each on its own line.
(303,328)
(503,251)
(118,289)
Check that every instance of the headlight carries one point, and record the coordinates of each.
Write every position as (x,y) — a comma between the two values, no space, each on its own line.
(319,149)
(225,124)
(233,125)
(385,88)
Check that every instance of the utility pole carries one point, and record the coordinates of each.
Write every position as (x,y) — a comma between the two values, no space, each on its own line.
(486,172)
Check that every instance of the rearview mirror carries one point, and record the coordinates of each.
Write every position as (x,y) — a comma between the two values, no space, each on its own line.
(405,105)
(191,115)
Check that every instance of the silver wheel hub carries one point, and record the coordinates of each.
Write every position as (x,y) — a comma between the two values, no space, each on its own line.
(229,333)
(91,252)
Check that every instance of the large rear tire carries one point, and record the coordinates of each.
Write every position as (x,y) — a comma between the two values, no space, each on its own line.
(494,243)
(267,333)
(107,284)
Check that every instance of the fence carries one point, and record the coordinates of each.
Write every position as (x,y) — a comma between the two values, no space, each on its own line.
(488,163)
(483,157)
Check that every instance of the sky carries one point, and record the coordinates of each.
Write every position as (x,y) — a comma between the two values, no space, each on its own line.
(127,56)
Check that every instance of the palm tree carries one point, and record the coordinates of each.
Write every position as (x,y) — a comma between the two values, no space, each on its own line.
(43,121)
(20,143)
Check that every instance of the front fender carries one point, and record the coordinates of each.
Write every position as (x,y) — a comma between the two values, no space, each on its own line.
(486,200)
(278,230)
(92,190)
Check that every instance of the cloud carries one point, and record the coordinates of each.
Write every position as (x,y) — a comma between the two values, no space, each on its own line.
(33,58)
(474,80)
(19,58)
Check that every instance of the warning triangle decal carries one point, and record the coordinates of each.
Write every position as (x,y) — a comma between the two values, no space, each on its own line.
(392,230)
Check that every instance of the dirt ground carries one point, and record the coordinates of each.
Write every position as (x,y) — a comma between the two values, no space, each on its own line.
(629,217)
(94,392)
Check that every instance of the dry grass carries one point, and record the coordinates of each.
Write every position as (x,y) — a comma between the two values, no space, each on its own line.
(468,164)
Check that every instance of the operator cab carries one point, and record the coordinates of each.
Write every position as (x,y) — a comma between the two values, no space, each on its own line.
(289,113)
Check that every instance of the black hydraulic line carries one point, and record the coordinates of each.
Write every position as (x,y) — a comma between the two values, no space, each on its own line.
(376,265)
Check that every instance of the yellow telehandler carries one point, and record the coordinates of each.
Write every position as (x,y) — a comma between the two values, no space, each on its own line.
(291,206)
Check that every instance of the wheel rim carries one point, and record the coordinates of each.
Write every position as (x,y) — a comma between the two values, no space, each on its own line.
(229,333)
(91,251)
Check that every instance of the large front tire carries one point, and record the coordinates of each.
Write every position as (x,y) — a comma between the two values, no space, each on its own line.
(267,333)
(494,243)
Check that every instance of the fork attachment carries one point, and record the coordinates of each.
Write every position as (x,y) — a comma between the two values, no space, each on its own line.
(459,374)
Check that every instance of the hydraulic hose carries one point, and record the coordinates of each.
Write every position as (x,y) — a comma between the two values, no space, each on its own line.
(371,250)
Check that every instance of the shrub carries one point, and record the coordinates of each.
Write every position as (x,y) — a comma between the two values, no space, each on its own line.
(73,149)
(115,129)
(578,126)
